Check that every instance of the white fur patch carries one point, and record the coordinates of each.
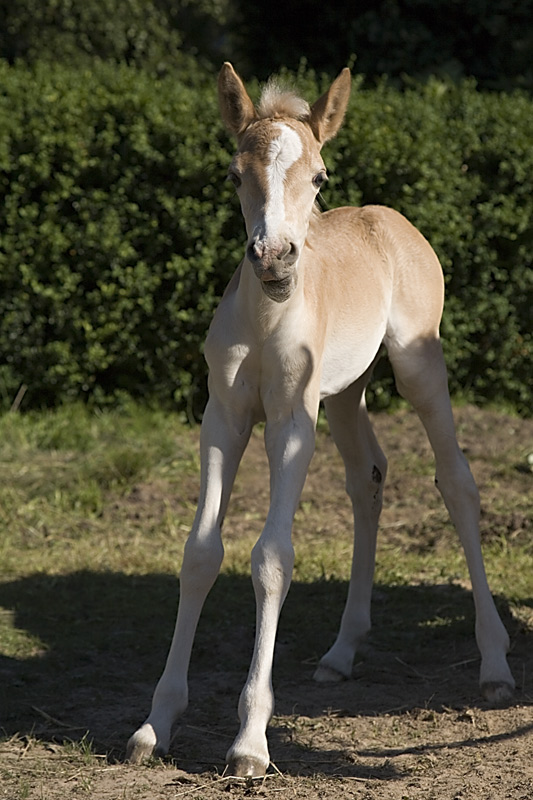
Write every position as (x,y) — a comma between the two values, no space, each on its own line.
(284,151)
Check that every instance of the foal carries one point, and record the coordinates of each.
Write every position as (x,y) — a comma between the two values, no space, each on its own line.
(302,320)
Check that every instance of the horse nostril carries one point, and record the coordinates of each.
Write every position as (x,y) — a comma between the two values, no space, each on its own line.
(292,253)
(252,253)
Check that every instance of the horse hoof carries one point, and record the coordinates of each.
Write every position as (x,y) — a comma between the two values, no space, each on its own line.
(142,745)
(325,674)
(497,692)
(246,767)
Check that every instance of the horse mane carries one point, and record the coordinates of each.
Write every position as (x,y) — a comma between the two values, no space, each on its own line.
(278,101)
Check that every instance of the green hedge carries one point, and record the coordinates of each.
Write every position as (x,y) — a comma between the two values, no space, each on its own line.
(118,232)
(138,32)
(491,41)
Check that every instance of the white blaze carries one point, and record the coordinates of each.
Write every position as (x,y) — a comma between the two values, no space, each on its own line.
(284,151)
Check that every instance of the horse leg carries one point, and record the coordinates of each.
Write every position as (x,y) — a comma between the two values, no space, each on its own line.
(290,445)
(366,468)
(422,379)
(221,449)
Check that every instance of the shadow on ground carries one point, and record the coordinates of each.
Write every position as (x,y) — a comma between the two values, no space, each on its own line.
(98,642)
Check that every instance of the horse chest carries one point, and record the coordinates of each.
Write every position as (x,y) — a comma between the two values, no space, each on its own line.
(261,376)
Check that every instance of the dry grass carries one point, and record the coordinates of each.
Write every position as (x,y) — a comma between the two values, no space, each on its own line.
(94,511)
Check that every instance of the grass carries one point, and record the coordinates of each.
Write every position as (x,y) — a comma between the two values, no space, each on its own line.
(95,509)
(58,471)
(68,484)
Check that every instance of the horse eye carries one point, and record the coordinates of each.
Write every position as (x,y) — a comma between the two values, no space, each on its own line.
(234,179)
(319,179)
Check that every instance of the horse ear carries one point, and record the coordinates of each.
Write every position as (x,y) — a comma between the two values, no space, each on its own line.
(236,108)
(328,111)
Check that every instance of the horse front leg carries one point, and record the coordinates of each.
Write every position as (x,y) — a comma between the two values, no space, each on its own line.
(290,446)
(222,443)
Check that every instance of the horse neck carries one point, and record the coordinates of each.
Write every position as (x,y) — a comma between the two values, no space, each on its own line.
(263,315)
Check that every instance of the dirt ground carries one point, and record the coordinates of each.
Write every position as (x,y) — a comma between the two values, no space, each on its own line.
(409,724)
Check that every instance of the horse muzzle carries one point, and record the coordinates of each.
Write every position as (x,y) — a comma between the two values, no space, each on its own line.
(272,262)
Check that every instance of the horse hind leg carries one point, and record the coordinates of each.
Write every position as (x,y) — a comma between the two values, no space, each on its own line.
(421,379)
(366,468)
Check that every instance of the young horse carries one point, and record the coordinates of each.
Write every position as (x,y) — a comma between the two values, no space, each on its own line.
(303,319)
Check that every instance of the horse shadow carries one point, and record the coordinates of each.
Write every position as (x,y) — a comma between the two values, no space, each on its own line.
(90,647)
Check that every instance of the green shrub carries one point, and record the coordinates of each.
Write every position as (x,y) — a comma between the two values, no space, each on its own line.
(138,32)
(418,38)
(118,232)
(489,40)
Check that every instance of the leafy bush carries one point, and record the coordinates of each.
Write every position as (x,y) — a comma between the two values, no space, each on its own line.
(491,41)
(118,233)
(115,233)
(154,34)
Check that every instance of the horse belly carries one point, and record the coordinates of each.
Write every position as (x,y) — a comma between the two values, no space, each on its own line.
(346,359)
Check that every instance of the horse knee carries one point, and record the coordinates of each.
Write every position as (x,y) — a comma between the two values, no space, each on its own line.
(456,482)
(365,487)
(272,565)
(201,562)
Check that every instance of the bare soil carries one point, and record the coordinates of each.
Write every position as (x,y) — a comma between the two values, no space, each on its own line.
(410,722)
